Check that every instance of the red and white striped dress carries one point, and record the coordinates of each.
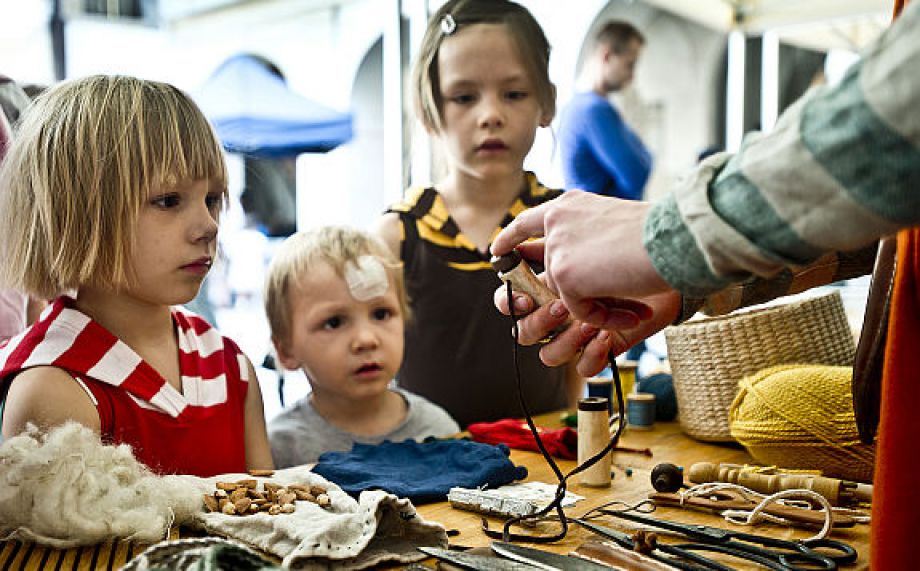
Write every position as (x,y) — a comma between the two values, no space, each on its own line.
(199,430)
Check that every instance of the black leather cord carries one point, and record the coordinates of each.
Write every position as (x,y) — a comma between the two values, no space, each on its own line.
(556,503)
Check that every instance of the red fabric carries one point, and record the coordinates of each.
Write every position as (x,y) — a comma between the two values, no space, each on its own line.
(198,431)
(562,443)
(203,441)
(896,497)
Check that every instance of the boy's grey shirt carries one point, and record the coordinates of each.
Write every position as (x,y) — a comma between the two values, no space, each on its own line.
(299,434)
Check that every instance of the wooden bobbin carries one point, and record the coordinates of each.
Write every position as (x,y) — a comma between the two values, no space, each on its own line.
(831,488)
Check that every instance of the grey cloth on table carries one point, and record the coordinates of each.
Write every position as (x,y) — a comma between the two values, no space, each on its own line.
(299,434)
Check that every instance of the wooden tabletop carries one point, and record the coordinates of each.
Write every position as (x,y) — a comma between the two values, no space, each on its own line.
(668,444)
(666,441)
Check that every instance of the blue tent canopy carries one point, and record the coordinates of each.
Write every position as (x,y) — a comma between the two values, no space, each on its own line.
(255,113)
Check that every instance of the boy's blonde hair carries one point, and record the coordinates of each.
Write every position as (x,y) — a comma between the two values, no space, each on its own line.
(300,253)
(84,158)
(526,34)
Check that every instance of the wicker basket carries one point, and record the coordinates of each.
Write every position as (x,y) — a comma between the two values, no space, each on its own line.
(709,356)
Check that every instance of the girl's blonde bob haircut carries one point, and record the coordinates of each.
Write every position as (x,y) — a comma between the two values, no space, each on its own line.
(450,19)
(302,252)
(84,160)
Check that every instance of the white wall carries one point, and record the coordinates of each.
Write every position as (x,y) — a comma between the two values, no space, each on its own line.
(25,47)
(565,25)
(320,48)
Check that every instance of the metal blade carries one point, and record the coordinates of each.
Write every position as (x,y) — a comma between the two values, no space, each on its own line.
(545,559)
(623,539)
(697,532)
(476,562)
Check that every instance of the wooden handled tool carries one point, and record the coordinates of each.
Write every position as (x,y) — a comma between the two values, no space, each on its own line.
(512,267)
(837,492)
(722,500)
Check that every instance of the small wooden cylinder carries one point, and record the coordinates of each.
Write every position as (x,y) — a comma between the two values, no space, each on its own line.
(593,436)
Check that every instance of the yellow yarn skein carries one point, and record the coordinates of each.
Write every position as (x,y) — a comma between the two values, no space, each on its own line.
(801,416)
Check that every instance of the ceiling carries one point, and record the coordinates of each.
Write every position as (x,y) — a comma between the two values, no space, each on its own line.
(821,24)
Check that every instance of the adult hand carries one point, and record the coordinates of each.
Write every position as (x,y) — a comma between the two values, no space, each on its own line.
(592,253)
(583,342)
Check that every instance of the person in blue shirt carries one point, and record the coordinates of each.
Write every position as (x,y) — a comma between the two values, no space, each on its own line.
(599,152)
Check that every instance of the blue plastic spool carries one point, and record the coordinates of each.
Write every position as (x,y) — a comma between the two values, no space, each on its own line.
(640,410)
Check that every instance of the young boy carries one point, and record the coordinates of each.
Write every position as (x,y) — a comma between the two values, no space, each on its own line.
(336,304)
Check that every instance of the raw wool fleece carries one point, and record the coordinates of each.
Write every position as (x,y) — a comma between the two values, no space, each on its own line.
(65,488)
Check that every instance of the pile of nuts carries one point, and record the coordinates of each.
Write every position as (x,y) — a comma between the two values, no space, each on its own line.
(244,498)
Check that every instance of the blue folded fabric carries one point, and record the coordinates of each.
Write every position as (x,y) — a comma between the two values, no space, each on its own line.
(420,471)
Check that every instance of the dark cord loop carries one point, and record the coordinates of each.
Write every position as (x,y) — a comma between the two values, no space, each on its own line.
(646,506)
(556,503)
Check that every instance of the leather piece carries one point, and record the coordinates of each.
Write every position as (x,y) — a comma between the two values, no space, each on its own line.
(617,557)
(870,352)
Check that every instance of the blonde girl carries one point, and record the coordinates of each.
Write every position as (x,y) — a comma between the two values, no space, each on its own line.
(109,204)
(481,88)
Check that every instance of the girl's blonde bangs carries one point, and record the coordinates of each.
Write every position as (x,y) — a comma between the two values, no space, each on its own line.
(181,146)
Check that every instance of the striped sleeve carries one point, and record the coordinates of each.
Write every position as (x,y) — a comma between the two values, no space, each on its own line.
(839,170)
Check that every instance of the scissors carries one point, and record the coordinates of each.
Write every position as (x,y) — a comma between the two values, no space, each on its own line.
(778,554)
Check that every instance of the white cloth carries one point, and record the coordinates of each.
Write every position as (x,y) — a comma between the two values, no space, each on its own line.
(349,534)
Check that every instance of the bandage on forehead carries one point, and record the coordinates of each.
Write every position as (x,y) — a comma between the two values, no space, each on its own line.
(366,278)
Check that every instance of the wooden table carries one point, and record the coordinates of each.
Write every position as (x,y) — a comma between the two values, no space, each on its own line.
(667,442)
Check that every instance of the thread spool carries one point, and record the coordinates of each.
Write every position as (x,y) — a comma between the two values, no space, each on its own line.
(662,386)
(640,410)
(593,436)
(602,387)
(627,370)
